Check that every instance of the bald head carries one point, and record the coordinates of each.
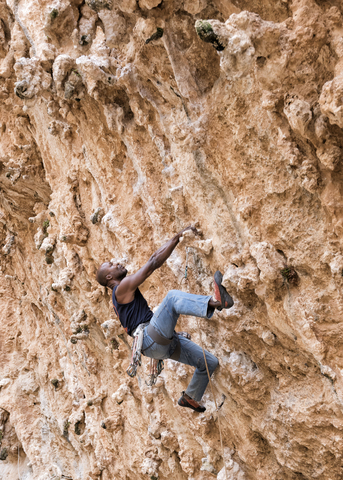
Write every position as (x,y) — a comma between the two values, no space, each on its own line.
(110,274)
(101,273)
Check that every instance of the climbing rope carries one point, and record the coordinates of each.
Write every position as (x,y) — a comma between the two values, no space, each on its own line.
(18,464)
(208,374)
(215,401)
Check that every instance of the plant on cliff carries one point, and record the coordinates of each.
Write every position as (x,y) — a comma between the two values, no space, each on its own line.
(290,275)
(206,34)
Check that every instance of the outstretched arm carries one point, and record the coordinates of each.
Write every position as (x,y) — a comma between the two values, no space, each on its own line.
(126,290)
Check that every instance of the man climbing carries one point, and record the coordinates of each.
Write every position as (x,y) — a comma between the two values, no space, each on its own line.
(160,341)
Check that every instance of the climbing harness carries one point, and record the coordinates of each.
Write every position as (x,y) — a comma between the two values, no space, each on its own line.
(156,366)
(208,374)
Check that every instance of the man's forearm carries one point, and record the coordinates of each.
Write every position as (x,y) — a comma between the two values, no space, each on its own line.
(164,252)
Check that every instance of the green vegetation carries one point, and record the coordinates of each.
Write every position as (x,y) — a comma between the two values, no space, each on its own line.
(53,13)
(206,34)
(98,5)
(3,454)
(82,328)
(290,275)
(114,344)
(203,27)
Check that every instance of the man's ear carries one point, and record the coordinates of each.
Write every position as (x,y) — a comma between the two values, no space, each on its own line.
(108,277)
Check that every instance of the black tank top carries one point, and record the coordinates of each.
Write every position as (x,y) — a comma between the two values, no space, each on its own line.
(133,313)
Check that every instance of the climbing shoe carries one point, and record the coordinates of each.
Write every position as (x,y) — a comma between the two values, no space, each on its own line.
(220,293)
(186,401)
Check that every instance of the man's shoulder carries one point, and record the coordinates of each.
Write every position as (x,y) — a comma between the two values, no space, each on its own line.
(125,294)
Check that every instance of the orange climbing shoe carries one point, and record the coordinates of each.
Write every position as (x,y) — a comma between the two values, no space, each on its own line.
(220,293)
(186,401)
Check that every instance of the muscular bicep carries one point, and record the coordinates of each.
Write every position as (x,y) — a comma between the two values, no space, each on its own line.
(127,287)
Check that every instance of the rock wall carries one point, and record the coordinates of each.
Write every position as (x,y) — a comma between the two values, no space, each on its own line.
(120,123)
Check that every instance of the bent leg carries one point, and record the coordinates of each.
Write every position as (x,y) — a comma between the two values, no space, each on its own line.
(179,303)
(192,354)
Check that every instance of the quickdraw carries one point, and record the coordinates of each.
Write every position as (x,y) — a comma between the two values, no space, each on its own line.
(156,367)
(136,357)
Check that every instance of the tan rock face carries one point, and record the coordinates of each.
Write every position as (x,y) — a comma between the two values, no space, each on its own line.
(121,123)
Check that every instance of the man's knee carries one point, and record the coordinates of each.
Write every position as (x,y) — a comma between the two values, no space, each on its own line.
(213,363)
(172,293)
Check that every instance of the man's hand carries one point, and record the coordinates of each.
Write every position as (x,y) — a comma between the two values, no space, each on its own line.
(190,227)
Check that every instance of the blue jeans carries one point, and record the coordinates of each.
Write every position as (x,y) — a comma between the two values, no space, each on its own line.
(164,321)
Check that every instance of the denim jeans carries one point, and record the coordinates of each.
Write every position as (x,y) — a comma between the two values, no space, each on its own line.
(164,321)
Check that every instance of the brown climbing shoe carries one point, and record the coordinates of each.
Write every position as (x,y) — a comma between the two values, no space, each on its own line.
(186,401)
(220,293)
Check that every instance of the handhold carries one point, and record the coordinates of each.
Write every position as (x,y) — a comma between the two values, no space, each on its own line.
(4,382)
(207,466)
(269,338)
(149,4)
(21,89)
(121,393)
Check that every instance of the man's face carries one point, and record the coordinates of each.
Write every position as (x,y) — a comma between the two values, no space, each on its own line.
(116,270)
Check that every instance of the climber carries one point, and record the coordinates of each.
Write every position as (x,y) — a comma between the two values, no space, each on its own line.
(160,341)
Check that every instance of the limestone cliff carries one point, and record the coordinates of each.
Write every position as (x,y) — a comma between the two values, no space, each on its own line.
(121,122)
